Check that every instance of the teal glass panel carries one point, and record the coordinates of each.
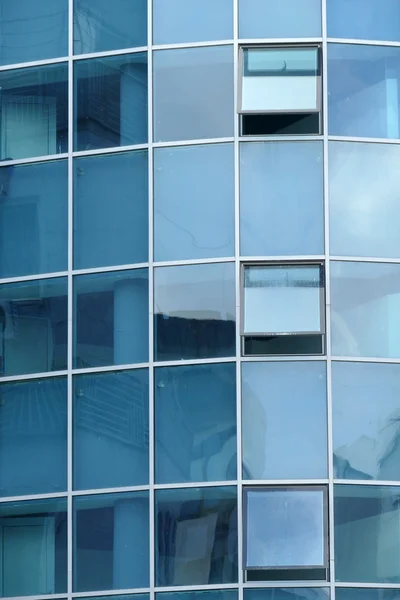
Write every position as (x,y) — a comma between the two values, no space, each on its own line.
(194,202)
(111,429)
(283,19)
(33,326)
(110,105)
(111,210)
(101,25)
(364,19)
(33,30)
(111,318)
(366,594)
(34,112)
(197,595)
(202,400)
(196,536)
(33,437)
(288,593)
(111,542)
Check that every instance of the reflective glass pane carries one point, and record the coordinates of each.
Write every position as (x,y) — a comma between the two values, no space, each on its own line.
(33,437)
(180,21)
(363,96)
(194,202)
(364,19)
(196,536)
(111,318)
(365,317)
(111,210)
(111,542)
(33,30)
(281,215)
(121,597)
(283,19)
(34,547)
(285,528)
(110,101)
(111,429)
(284,410)
(286,594)
(367,594)
(33,218)
(101,25)
(194,311)
(33,326)
(366,409)
(282,299)
(34,112)
(193,93)
(202,400)
(367,517)
(364,180)
(197,595)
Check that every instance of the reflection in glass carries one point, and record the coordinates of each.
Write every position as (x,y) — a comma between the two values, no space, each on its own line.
(180,21)
(365,316)
(34,547)
(194,311)
(110,101)
(286,594)
(364,180)
(103,25)
(193,93)
(196,536)
(281,215)
(366,420)
(364,19)
(284,424)
(111,318)
(111,429)
(111,544)
(34,112)
(33,30)
(367,517)
(33,218)
(111,210)
(199,595)
(363,96)
(33,437)
(194,202)
(195,430)
(283,19)
(33,326)
(366,594)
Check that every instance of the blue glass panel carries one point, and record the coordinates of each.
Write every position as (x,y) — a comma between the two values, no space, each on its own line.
(284,409)
(367,517)
(202,400)
(363,98)
(33,437)
(34,547)
(111,210)
(111,544)
(283,19)
(33,30)
(196,536)
(367,594)
(122,597)
(111,318)
(203,595)
(33,326)
(286,594)
(194,202)
(279,214)
(33,218)
(364,19)
(110,101)
(364,180)
(111,429)
(101,25)
(365,317)
(180,21)
(193,93)
(34,111)
(194,311)
(366,410)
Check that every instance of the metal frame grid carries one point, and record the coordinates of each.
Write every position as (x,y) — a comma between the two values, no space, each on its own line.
(238,261)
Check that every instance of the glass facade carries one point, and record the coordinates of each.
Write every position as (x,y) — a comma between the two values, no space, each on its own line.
(199,299)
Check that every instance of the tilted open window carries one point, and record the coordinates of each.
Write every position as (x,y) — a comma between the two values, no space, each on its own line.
(280,90)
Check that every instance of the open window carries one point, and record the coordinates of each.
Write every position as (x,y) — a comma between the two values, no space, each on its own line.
(280,90)
(283,309)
